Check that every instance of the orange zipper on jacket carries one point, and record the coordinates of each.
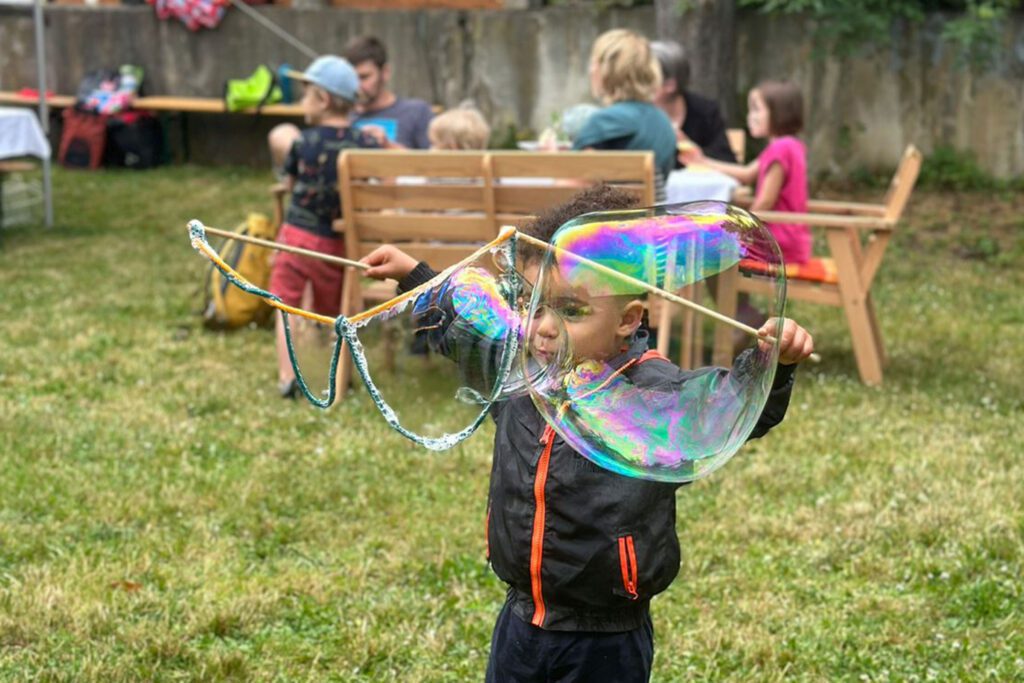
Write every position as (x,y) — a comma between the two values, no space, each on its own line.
(537,542)
(627,563)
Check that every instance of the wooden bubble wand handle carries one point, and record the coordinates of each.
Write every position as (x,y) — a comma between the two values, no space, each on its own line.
(336,260)
(622,277)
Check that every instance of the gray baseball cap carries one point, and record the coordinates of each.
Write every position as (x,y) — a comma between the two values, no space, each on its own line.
(333,74)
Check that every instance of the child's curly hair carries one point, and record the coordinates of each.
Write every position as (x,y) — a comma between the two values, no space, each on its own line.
(600,197)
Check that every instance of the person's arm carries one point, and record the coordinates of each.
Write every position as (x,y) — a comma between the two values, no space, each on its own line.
(795,345)
(769,189)
(290,168)
(745,173)
(388,262)
(379,137)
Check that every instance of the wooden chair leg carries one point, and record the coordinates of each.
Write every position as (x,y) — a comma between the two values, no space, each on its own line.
(726,299)
(856,306)
(869,361)
(870,305)
(859,254)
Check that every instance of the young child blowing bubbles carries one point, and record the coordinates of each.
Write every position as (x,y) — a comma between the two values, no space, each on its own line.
(554,519)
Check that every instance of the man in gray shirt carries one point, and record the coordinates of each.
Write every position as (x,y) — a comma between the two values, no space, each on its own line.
(394,121)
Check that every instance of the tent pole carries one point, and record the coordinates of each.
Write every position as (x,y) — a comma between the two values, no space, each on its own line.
(44,113)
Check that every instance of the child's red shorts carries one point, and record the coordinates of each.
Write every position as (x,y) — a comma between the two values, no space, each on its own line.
(291,272)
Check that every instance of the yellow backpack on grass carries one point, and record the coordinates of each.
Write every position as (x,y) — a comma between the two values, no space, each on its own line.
(227,307)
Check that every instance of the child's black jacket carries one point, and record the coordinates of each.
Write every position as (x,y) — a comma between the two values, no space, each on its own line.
(583,548)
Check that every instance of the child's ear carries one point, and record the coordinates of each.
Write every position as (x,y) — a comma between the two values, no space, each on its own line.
(632,315)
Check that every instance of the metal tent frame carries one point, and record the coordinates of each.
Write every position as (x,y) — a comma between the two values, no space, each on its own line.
(44,110)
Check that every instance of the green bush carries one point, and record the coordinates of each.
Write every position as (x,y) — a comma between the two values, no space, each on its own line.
(950,169)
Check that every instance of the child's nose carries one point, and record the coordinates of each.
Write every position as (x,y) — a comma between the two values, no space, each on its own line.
(545,324)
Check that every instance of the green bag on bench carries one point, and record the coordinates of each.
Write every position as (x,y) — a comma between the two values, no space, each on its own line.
(253,92)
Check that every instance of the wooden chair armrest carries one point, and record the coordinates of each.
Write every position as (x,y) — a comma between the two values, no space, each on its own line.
(825,220)
(849,208)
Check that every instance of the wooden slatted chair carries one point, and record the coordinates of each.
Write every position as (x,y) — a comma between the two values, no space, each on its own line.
(461,202)
(857,236)
(435,206)
(526,183)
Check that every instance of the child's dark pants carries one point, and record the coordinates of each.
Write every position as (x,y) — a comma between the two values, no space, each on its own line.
(523,653)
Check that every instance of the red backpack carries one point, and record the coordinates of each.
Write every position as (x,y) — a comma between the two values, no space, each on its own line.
(83,139)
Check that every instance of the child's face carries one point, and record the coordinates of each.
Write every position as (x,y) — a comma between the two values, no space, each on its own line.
(314,104)
(597,326)
(758,117)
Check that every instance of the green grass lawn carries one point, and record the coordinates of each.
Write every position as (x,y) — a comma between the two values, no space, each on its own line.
(164,516)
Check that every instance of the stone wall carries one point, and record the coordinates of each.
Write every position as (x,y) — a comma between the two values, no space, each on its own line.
(521,66)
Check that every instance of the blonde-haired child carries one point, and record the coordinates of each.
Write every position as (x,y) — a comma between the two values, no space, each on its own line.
(625,76)
(459,129)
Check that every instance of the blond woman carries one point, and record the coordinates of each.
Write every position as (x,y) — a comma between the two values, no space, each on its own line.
(625,76)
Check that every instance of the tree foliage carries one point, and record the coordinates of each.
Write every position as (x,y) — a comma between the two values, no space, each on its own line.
(844,26)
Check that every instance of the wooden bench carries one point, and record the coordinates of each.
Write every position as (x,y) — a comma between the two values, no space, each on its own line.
(165,103)
(440,206)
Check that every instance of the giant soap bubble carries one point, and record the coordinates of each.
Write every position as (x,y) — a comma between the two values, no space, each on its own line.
(632,414)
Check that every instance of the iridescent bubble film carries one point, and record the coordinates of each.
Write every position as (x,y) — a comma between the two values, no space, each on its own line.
(634,412)
(437,358)
(667,250)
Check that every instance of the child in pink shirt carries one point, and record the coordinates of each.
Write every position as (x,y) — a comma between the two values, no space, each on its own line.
(775,111)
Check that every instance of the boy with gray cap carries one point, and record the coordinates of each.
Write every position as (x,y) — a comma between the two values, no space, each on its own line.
(311,174)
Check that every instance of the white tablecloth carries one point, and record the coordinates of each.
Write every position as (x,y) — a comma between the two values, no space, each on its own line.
(21,135)
(691,185)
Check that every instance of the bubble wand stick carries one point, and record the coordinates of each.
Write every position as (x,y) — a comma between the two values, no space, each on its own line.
(337,260)
(507,232)
(658,291)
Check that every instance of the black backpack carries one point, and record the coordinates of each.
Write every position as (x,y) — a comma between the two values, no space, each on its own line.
(135,140)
